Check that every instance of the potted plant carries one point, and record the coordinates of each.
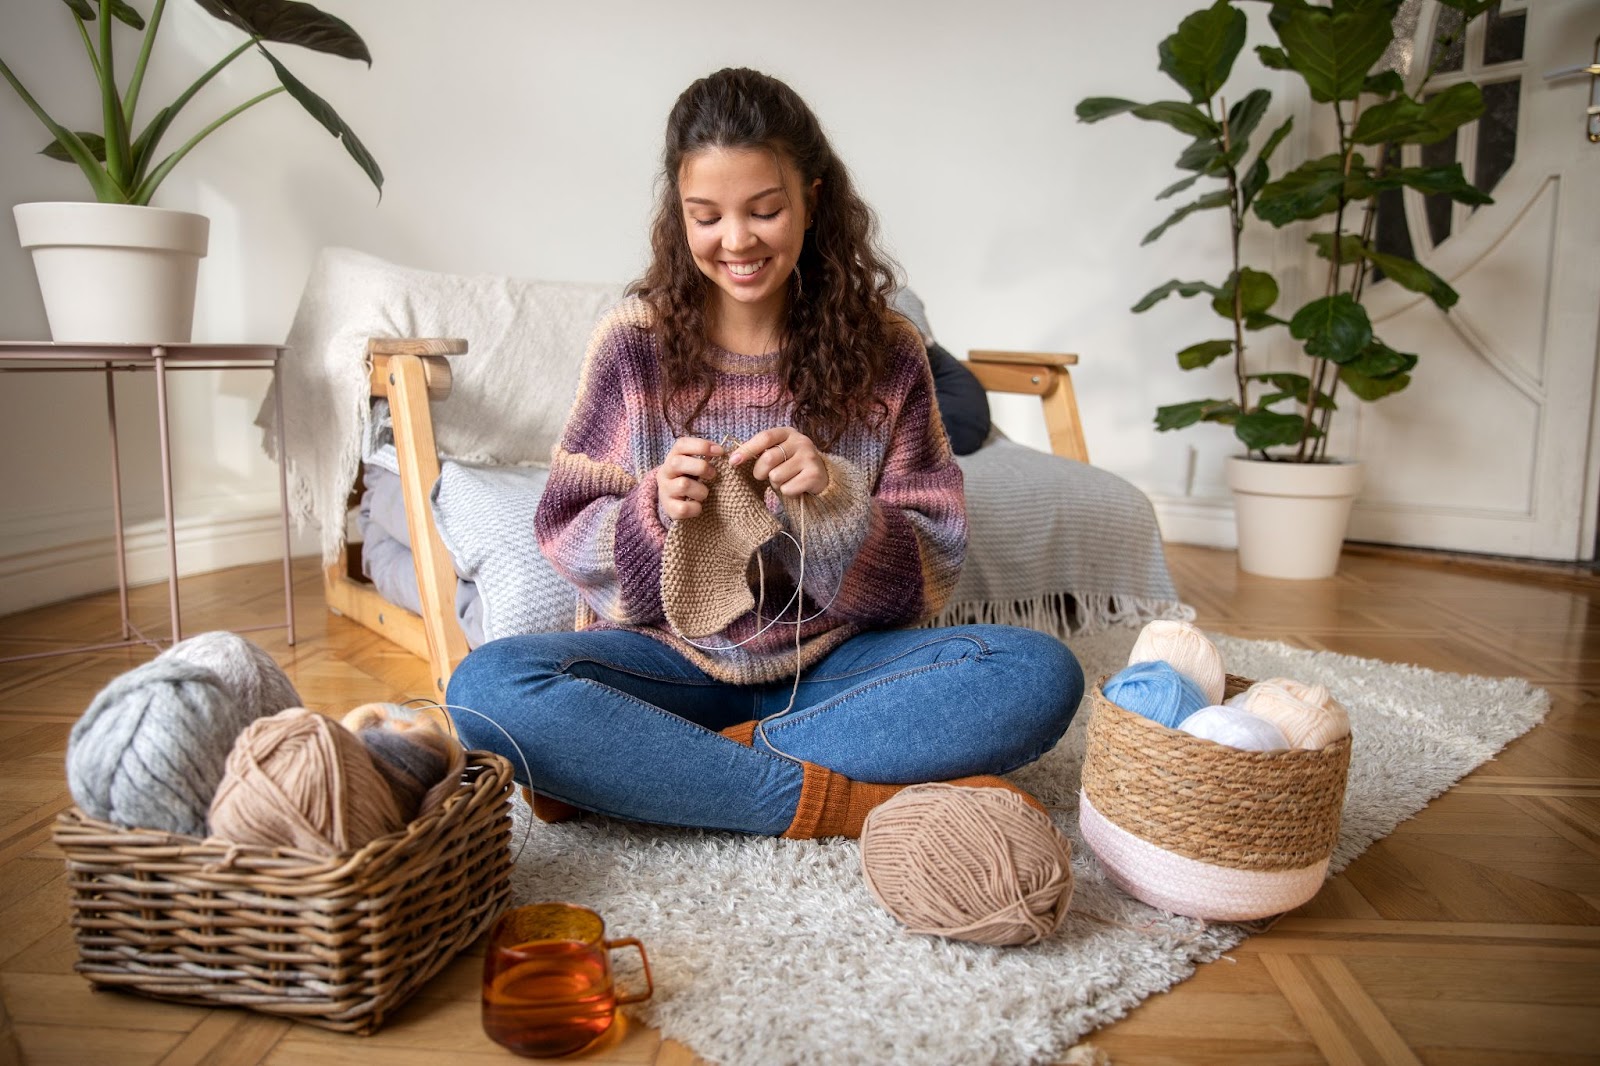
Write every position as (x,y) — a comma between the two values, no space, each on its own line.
(1293,500)
(120,270)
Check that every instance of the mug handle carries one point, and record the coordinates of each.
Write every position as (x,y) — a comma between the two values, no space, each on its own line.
(649,982)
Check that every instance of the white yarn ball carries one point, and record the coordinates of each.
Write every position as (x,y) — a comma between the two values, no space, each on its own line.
(1308,714)
(1235,728)
(247,671)
(1187,650)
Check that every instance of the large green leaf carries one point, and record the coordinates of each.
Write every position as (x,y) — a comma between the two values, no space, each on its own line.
(1200,55)
(1182,288)
(1260,430)
(1309,190)
(1370,388)
(1403,120)
(1185,118)
(92,141)
(1334,52)
(1210,200)
(319,109)
(1450,109)
(1385,83)
(81,8)
(1378,360)
(123,12)
(1410,274)
(1428,180)
(1258,291)
(1095,108)
(1245,116)
(1204,354)
(1332,327)
(291,22)
(1180,415)
(1255,179)
(1273,57)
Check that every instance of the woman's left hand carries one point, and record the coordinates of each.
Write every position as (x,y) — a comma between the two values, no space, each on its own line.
(784,458)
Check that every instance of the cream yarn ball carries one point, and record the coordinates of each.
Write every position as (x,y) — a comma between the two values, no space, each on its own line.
(1235,728)
(1186,650)
(1308,714)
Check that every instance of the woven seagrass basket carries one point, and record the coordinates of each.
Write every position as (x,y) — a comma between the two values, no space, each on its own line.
(1198,828)
(336,942)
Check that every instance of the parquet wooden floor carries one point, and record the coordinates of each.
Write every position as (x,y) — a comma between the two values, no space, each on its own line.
(1469,936)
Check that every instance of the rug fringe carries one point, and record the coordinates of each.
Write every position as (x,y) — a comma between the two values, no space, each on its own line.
(1065,614)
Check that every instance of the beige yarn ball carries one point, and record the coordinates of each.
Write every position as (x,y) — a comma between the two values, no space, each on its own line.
(975,864)
(1308,715)
(298,780)
(1187,650)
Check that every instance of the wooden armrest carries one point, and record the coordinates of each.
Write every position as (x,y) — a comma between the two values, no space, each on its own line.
(1023,358)
(416,346)
(1046,375)
(430,351)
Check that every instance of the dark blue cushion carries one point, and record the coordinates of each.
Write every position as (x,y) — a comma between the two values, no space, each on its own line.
(963,403)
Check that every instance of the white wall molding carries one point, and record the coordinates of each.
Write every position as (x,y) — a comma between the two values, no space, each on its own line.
(1207,521)
(75,565)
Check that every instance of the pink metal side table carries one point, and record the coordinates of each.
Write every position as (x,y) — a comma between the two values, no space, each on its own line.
(46,357)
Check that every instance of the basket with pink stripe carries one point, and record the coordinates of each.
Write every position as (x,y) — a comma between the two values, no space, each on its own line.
(1198,828)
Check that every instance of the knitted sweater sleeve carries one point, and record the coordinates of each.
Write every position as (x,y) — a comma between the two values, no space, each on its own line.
(597,522)
(892,550)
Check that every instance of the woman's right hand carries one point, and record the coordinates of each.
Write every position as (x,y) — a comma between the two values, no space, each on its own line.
(682,477)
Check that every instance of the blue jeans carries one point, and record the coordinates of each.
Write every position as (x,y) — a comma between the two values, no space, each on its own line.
(619,723)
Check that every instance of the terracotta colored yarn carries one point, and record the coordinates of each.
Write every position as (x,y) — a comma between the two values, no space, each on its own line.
(975,864)
(420,761)
(1187,650)
(299,780)
(1308,715)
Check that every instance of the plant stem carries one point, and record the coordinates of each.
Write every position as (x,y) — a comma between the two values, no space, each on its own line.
(88,46)
(1236,226)
(117,150)
(132,99)
(151,137)
(147,187)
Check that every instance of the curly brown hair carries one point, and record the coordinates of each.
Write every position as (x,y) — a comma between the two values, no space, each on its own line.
(838,332)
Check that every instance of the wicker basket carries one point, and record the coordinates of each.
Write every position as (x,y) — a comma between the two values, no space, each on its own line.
(338,943)
(1199,828)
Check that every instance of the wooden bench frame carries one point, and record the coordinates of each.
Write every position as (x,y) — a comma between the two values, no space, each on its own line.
(411,372)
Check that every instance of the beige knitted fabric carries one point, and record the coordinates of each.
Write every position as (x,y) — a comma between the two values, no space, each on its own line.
(705,566)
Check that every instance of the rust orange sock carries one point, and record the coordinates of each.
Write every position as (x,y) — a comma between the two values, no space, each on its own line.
(832,805)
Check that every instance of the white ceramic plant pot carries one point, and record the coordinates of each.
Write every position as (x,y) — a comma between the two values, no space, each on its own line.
(1292,517)
(115,272)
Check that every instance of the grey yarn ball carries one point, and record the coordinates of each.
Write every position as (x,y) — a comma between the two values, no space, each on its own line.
(151,749)
(247,671)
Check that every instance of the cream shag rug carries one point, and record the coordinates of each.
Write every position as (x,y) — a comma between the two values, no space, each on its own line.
(768,952)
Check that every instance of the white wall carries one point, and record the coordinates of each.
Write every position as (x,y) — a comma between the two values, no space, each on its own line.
(520,136)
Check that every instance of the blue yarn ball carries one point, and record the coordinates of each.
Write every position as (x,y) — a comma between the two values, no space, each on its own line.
(1156,691)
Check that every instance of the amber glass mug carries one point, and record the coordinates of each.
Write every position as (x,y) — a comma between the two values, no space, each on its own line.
(547,983)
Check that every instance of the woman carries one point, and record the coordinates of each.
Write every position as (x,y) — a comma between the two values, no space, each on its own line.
(753,496)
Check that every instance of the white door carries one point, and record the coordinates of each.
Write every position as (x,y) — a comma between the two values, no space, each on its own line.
(1495,446)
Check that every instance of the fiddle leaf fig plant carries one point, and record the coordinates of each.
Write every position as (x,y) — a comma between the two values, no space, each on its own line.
(1334,50)
(1200,57)
(125,167)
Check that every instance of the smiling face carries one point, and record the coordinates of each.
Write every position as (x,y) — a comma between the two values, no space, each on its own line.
(745,212)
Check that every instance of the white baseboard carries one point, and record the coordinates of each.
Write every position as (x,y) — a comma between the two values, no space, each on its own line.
(75,565)
(1196,520)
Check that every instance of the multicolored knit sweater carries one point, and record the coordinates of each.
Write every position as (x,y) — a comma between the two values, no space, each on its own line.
(884,542)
